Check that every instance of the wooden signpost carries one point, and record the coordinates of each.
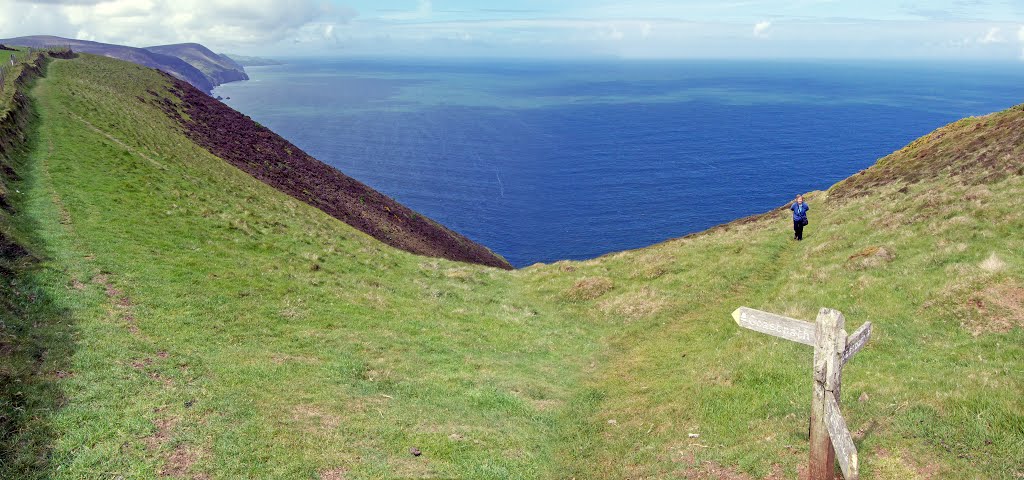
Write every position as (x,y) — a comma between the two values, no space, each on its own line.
(830,439)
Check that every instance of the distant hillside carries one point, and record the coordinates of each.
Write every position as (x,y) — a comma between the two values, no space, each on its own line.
(220,69)
(190,62)
(247,61)
(170,64)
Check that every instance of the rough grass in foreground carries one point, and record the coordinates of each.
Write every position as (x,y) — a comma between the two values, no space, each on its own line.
(223,329)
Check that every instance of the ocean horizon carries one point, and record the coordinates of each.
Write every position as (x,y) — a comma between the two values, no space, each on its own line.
(550,160)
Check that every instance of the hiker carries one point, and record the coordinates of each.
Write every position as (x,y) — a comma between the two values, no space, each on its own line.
(799,209)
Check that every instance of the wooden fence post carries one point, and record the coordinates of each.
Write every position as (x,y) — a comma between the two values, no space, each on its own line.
(830,340)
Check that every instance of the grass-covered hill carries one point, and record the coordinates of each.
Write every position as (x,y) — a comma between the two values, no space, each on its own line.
(190,62)
(166,314)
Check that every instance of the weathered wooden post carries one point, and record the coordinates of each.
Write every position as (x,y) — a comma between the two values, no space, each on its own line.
(830,438)
(829,339)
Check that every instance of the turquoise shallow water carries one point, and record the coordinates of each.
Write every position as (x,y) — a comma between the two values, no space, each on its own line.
(542,161)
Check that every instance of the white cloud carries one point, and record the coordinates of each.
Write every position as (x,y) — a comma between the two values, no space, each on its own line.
(219,23)
(1020,37)
(761,28)
(991,36)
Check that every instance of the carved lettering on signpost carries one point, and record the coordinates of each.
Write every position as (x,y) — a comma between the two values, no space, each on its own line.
(856,341)
(775,325)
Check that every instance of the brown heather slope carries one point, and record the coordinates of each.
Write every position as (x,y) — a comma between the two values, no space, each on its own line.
(975,150)
(275,161)
(970,151)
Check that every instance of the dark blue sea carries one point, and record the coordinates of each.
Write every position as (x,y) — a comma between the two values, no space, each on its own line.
(542,161)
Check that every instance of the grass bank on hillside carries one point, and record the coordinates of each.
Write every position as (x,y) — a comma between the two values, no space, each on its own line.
(222,328)
(217,304)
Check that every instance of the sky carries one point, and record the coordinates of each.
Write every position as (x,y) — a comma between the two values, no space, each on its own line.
(819,29)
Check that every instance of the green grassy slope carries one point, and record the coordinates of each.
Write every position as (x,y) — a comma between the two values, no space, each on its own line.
(210,326)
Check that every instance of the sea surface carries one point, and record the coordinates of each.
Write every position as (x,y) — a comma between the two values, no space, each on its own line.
(543,161)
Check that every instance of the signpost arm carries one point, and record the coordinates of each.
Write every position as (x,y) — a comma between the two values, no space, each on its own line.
(830,341)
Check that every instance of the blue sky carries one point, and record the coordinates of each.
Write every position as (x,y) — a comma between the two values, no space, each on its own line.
(833,29)
(968,29)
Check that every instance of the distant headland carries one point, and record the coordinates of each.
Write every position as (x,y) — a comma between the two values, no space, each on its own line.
(248,61)
(190,62)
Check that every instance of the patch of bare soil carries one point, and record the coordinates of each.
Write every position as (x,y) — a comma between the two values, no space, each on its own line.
(334,474)
(119,299)
(180,462)
(996,309)
(273,160)
(712,470)
(164,427)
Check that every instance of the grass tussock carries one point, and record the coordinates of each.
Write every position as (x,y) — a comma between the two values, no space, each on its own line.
(871,257)
(589,288)
(642,303)
(993,264)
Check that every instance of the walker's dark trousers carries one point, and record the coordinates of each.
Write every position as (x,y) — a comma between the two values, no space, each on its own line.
(798,229)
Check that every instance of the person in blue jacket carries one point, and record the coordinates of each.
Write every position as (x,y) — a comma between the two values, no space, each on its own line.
(799,209)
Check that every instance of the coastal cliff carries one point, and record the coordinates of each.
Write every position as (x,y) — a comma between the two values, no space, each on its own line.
(219,69)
